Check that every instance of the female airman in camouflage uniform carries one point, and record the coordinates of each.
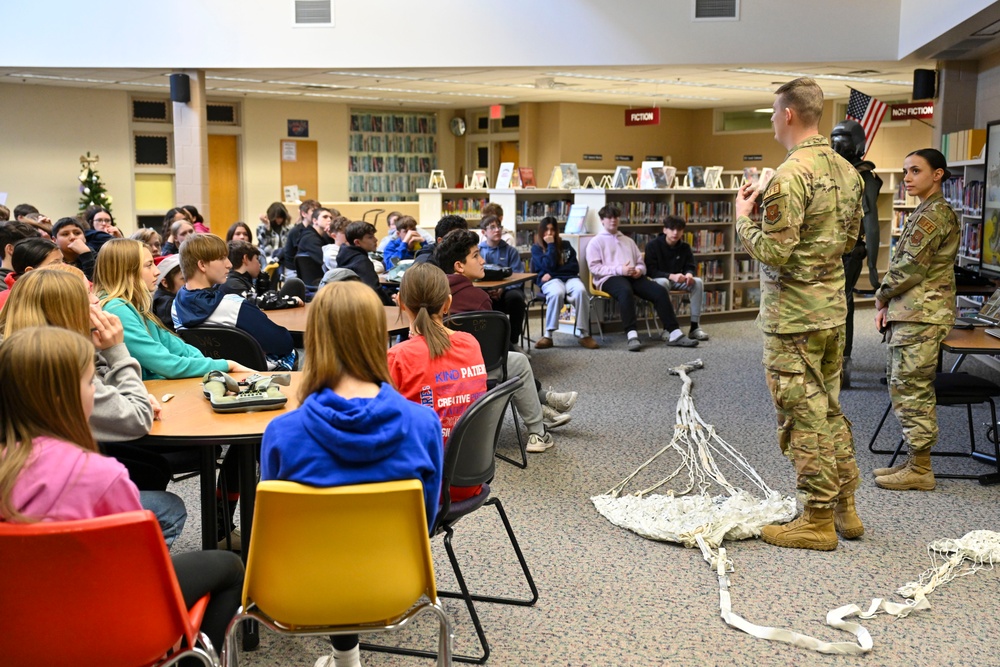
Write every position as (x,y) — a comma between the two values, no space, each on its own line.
(916,309)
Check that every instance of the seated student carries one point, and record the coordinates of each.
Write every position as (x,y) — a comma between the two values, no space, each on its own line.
(101,220)
(291,249)
(102,227)
(311,240)
(272,233)
(205,265)
(670,264)
(390,221)
(4,213)
(28,214)
(239,231)
(509,300)
(405,245)
(337,232)
(70,235)
(151,239)
(124,278)
(244,276)
(29,254)
(458,255)
(10,233)
(354,256)
(436,364)
(58,296)
(53,472)
(554,260)
(445,225)
(171,281)
(197,220)
(352,426)
(176,233)
(492,208)
(617,268)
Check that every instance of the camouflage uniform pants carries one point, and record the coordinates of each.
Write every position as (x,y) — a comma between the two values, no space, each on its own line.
(913,358)
(803,374)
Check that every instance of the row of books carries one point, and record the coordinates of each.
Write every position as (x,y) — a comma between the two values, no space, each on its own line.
(746,297)
(655,212)
(391,143)
(705,240)
(711,269)
(392,164)
(898,220)
(964,197)
(746,269)
(464,207)
(389,122)
(528,211)
(970,243)
(402,184)
(715,302)
(964,145)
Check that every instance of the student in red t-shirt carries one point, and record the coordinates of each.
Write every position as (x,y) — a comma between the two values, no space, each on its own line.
(436,367)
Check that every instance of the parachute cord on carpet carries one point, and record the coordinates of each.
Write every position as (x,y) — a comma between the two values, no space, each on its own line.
(703,521)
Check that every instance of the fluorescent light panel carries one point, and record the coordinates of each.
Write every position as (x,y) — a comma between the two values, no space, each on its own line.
(829,77)
(659,82)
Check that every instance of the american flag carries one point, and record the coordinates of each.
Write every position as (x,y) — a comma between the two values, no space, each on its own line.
(868,111)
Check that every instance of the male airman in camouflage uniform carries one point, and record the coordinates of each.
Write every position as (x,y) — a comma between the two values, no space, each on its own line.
(811,217)
(916,305)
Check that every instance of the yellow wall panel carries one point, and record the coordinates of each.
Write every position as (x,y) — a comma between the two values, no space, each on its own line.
(154,192)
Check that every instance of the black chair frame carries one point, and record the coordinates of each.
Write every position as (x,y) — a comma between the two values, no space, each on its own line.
(469,461)
(944,398)
(226,343)
(492,329)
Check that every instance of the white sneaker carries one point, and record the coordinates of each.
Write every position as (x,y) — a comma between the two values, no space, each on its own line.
(552,418)
(539,443)
(562,401)
(324,661)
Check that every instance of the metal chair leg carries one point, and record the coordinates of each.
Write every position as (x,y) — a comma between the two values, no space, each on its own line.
(522,445)
(878,429)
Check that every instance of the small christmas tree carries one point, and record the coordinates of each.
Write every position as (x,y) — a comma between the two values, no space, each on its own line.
(92,190)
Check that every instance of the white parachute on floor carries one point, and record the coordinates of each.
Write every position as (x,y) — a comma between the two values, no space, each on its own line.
(705,521)
(691,513)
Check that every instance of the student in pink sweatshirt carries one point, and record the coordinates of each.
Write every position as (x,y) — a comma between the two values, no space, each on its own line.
(617,268)
(50,469)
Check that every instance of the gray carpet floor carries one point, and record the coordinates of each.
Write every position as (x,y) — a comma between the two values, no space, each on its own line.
(610,597)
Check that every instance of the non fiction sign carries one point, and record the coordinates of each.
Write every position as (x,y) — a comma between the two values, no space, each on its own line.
(593,156)
(649,116)
(912,110)
(753,158)
(623,158)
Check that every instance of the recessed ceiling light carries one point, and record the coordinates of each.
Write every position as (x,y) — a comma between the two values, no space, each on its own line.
(51,77)
(229,78)
(659,82)
(989,30)
(767,110)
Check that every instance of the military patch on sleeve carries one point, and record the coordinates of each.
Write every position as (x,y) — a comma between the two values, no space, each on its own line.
(772,214)
(917,237)
(926,225)
(775,190)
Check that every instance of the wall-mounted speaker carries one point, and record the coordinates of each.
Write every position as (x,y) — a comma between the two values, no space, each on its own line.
(924,81)
(180,88)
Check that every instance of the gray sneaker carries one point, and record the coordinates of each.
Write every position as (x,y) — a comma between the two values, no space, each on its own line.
(562,401)
(634,345)
(539,443)
(552,418)
(682,341)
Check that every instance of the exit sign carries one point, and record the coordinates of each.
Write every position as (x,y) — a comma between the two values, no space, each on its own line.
(496,112)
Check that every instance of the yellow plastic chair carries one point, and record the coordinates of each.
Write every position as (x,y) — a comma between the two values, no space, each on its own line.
(643,307)
(302,580)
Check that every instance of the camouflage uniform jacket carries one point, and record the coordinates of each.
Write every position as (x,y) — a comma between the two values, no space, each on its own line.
(811,216)
(920,284)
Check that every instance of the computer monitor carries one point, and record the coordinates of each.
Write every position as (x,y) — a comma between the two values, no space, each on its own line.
(989,262)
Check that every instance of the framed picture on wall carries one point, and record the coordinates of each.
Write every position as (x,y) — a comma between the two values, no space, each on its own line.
(298,128)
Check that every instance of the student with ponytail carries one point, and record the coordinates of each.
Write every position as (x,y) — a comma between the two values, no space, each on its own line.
(436,363)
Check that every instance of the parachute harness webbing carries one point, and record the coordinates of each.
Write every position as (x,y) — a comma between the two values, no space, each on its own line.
(697,444)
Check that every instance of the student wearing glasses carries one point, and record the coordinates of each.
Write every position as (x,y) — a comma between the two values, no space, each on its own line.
(509,300)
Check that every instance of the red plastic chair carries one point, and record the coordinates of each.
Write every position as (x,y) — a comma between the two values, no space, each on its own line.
(95,591)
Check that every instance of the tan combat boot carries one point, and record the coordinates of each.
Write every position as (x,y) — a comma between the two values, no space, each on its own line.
(812,530)
(846,519)
(882,472)
(917,476)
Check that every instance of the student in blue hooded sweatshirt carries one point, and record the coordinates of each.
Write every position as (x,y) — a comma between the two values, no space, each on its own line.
(205,265)
(353,427)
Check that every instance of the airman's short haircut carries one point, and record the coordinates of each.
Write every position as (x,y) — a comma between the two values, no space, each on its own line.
(804,97)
